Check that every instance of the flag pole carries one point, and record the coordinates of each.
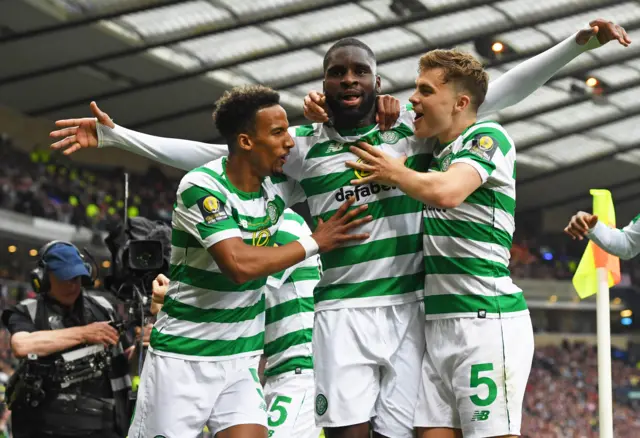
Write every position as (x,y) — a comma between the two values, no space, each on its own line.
(603,315)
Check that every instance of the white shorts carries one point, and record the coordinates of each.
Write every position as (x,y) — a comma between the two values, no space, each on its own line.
(290,403)
(474,375)
(367,366)
(177,398)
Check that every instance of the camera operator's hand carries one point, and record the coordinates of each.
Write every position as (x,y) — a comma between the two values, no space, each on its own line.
(100,333)
(159,289)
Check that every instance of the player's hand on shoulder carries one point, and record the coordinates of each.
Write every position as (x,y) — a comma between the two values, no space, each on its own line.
(80,133)
(387,111)
(100,333)
(315,107)
(605,31)
(580,224)
(337,229)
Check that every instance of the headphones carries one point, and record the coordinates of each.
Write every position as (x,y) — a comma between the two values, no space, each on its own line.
(39,275)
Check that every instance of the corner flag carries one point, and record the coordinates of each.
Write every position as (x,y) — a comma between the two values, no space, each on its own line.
(585,280)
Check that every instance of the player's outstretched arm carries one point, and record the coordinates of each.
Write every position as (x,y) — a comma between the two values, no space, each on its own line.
(522,80)
(242,263)
(623,243)
(100,131)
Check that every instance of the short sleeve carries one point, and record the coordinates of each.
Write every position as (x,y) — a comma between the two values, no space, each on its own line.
(486,149)
(202,210)
(17,320)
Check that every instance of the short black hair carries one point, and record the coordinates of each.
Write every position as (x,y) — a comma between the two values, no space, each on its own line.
(236,110)
(346,42)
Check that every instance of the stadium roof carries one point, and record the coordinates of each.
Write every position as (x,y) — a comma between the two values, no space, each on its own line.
(158,65)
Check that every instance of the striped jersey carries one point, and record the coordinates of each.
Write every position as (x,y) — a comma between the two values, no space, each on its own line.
(206,316)
(387,268)
(289,304)
(467,248)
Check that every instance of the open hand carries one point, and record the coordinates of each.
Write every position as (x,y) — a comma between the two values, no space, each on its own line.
(375,165)
(605,31)
(335,231)
(80,133)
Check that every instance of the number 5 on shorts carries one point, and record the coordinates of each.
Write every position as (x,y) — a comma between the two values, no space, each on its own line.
(282,411)
(476,381)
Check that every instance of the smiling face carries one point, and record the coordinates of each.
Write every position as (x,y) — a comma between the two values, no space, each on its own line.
(351,85)
(434,103)
(450,88)
(270,142)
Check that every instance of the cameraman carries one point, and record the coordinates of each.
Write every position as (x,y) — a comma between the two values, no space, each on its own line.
(65,318)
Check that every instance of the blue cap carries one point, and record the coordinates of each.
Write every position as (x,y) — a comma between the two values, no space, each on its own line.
(65,263)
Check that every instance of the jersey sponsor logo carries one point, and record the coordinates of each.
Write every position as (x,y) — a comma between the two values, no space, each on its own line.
(321,404)
(480,416)
(261,238)
(362,191)
(484,146)
(212,209)
(390,137)
(335,147)
(430,208)
(361,173)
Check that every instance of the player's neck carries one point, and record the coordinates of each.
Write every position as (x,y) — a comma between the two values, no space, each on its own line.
(242,175)
(348,123)
(460,123)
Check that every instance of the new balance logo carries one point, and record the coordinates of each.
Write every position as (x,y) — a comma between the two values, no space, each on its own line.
(480,416)
(335,147)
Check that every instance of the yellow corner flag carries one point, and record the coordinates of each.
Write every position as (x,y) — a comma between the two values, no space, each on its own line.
(585,279)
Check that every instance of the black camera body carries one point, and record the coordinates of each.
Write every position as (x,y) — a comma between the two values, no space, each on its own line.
(28,386)
(139,252)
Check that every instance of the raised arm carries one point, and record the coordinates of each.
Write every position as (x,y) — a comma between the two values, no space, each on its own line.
(100,131)
(624,243)
(522,80)
(183,154)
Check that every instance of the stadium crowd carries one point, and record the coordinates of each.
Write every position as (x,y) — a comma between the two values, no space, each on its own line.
(47,185)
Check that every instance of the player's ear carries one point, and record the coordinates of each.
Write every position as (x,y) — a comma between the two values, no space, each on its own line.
(378,84)
(462,103)
(245,142)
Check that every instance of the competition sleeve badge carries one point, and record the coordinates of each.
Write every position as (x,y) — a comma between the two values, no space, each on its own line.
(484,146)
(212,209)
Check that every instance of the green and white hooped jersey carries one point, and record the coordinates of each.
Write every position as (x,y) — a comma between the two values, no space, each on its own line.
(289,304)
(387,268)
(206,316)
(467,249)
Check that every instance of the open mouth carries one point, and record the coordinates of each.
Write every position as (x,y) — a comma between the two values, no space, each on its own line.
(418,116)
(351,99)
(283,158)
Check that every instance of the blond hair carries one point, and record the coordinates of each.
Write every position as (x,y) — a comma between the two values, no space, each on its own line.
(462,69)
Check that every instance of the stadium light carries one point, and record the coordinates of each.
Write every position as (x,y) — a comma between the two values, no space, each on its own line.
(626,313)
(616,301)
(553,298)
(12,249)
(626,321)
(592,82)
(33,252)
(106,264)
(497,47)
